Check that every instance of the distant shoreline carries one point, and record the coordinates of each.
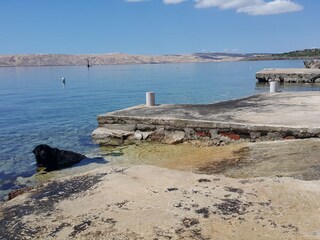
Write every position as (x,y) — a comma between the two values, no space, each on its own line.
(35,60)
(27,60)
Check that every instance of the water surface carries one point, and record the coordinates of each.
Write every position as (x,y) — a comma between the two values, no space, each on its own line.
(37,108)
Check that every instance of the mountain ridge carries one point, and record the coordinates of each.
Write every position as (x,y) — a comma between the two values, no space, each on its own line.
(27,60)
(23,60)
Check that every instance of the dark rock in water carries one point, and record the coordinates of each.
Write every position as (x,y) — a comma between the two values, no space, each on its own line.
(54,158)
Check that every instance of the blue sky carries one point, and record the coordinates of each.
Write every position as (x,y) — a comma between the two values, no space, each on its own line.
(157,26)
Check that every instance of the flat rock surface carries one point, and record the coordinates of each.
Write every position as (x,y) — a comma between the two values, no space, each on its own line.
(289,71)
(289,109)
(243,160)
(148,202)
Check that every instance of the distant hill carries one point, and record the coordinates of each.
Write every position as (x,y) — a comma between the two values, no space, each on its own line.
(310,53)
(111,58)
(26,60)
(313,53)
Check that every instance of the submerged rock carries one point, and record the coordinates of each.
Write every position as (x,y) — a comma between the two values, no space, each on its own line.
(54,158)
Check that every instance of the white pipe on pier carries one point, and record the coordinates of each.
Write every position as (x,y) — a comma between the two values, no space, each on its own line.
(273,86)
(150,99)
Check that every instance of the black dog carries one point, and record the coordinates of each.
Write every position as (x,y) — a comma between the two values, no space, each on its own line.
(54,158)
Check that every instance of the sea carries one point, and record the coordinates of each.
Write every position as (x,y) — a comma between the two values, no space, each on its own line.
(36,107)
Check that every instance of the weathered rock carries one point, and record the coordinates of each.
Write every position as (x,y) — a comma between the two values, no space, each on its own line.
(54,158)
(174,137)
(15,193)
(213,133)
(225,140)
(289,138)
(146,127)
(255,135)
(232,136)
(158,135)
(138,135)
(274,136)
(216,141)
(312,64)
(123,127)
(189,133)
(145,135)
(201,134)
(110,136)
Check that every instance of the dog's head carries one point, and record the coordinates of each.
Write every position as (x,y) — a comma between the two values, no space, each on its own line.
(42,153)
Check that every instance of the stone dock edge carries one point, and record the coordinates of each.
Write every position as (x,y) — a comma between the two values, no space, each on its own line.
(116,129)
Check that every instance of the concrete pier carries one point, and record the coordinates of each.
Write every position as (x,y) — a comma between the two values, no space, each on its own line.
(260,117)
(289,75)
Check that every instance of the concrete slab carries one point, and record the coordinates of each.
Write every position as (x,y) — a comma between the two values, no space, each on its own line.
(291,75)
(291,113)
(296,109)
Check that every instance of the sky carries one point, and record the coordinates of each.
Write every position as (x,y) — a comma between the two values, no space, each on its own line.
(154,27)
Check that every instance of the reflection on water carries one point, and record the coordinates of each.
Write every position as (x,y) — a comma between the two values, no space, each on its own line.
(290,86)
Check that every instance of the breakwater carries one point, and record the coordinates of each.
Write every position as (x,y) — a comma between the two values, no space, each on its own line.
(256,118)
(289,75)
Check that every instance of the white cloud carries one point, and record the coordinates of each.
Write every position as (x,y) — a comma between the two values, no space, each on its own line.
(252,7)
(274,7)
(172,1)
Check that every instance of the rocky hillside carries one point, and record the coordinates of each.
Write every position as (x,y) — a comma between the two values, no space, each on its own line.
(113,58)
(310,53)
(313,53)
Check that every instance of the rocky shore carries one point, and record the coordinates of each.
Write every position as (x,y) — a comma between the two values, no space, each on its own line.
(148,202)
(246,188)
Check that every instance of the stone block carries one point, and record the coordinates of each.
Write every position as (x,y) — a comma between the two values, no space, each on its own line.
(274,136)
(289,138)
(123,127)
(202,134)
(157,135)
(146,127)
(189,133)
(255,135)
(105,135)
(232,136)
(213,133)
(138,135)
(224,140)
(174,137)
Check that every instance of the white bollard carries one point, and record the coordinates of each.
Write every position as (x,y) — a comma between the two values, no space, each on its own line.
(273,87)
(150,99)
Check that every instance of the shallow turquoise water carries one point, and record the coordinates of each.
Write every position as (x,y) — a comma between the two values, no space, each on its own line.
(37,108)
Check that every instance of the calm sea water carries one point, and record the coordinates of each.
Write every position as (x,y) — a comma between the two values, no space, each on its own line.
(36,108)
